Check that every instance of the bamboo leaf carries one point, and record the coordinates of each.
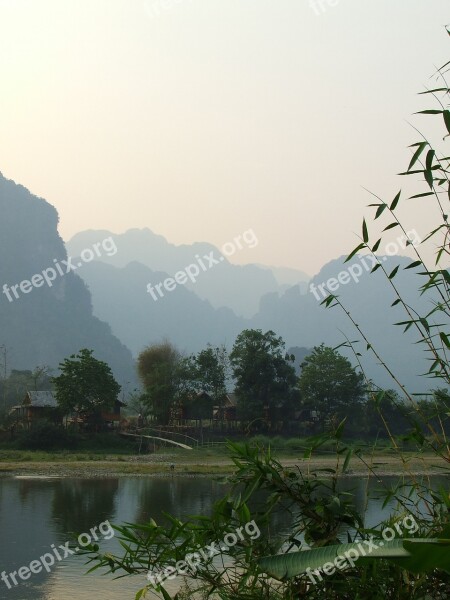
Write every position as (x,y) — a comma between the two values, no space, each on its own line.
(443,89)
(395,201)
(421,195)
(365,233)
(380,210)
(353,252)
(420,148)
(429,159)
(394,272)
(429,178)
(376,245)
(429,112)
(391,226)
(445,339)
(446,114)
(347,460)
(414,264)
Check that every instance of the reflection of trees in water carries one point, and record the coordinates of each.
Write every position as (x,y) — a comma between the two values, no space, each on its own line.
(26,533)
(285,514)
(79,504)
(178,496)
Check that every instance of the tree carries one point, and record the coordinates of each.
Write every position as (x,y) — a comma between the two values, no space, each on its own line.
(86,384)
(159,370)
(137,403)
(329,384)
(263,373)
(212,370)
(385,414)
(41,377)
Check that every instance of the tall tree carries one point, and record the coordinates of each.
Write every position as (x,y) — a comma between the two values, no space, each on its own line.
(85,384)
(329,384)
(212,366)
(159,370)
(264,374)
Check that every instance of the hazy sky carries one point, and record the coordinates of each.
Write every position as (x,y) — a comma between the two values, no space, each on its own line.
(201,119)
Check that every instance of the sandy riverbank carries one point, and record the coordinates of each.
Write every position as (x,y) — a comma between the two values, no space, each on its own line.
(153,465)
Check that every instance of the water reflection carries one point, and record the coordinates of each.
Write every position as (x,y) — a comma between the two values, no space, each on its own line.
(36,513)
(178,496)
(79,504)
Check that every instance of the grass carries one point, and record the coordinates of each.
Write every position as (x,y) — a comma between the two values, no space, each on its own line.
(105,455)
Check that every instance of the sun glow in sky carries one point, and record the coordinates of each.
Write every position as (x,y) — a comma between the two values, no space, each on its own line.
(201,119)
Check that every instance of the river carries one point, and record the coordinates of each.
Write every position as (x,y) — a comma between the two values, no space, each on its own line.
(37,516)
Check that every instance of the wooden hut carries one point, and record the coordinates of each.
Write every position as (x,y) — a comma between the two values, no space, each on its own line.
(36,406)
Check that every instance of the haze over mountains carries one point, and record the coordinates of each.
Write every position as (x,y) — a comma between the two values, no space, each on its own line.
(120,297)
(223,284)
(46,323)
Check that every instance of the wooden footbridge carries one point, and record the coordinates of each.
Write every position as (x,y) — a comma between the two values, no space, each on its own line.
(160,439)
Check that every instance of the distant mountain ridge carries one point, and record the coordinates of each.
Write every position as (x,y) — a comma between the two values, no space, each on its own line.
(302,320)
(46,323)
(226,285)
(294,313)
(121,298)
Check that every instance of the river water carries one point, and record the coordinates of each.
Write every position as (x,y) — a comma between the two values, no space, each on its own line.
(37,515)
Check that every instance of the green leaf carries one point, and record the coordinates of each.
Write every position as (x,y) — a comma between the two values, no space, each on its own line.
(433,91)
(365,233)
(376,245)
(414,264)
(353,252)
(395,201)
(412,172)
(445,339)
(380,210)
(429,160)
(446,114)
(391,226)
(420,148)
(347,460)
(428,174)
(429,112)
(164,593)
(421,195)
(340,429)
(394,272)
(419,555)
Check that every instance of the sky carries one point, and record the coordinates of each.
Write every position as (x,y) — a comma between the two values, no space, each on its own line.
(202,119)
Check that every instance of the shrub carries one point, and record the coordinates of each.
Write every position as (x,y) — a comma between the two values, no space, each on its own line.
(47,436)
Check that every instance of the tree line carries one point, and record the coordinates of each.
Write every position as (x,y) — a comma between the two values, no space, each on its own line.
(257,372)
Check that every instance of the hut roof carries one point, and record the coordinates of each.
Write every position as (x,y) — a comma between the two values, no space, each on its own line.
(44,399)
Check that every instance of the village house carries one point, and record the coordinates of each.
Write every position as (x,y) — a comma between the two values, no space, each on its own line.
(36,406)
